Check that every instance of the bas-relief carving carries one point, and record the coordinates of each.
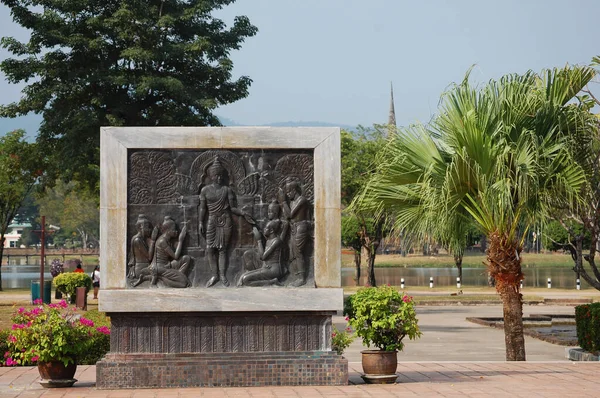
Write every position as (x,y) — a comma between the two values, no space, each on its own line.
(246,217)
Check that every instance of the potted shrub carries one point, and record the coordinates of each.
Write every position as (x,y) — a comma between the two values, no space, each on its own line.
(52,336)
(68,282)
(382,317)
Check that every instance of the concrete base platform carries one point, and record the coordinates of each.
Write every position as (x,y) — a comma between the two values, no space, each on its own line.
(221,369)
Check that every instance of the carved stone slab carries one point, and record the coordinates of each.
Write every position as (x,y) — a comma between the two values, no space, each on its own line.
(162,172)
(248,217)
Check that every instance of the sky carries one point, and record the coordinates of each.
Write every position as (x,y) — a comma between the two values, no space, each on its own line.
(332,61)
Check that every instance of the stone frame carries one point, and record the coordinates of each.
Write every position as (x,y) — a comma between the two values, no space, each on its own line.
(114,145)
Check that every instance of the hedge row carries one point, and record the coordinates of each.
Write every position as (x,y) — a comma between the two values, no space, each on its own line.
(587,318)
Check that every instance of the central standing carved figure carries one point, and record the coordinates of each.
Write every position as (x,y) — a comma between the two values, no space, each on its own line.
(219,201)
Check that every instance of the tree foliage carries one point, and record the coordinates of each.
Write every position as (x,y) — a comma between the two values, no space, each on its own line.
(93,63)
(74,208)
(358,160)
(580,219)
(21,166)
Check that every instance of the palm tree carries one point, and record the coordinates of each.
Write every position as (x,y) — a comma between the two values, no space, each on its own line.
(494,154)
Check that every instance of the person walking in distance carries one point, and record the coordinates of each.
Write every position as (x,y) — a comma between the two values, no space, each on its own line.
(96,281)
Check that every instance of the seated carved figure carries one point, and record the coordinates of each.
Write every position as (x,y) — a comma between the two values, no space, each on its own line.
(168,267)
(141,252)
(269,255)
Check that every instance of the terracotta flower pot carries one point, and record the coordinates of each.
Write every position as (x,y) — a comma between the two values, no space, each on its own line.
(379,366)
(56,374)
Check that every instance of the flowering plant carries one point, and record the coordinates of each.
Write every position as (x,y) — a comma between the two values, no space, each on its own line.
(340,340)
(56,268)
(383,317)
(50,332)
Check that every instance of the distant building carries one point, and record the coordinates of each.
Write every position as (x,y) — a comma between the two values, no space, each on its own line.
(14,232)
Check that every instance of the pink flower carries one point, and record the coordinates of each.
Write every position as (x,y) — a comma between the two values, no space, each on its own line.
(37,301)
(333,334)
(17,326)
(86,322)
(406,299)
(10,362)
(63,304)
(21,310)
(12,339)
(6,354)
(35,358)
(347,318)
(103,329)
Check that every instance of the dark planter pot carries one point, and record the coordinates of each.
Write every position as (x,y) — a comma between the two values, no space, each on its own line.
(379,366)
(56,374)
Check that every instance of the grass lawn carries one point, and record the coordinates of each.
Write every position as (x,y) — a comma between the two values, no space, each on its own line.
(469,260)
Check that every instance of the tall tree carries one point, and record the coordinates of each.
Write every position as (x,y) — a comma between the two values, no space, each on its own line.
(74,208)
(360,230)
(497,154)
(581,218)
(21,165)
(92,63)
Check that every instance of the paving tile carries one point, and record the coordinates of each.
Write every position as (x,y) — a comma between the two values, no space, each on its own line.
(445,379)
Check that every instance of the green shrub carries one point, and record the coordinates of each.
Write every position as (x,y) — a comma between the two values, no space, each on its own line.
(68,282)
(98,343)
(587,318)
(4,344)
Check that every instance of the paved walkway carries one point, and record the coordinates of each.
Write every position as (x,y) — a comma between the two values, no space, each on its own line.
(417,379)
(454,358)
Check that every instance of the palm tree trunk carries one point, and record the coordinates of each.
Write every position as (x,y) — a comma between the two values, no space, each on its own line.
(504,265)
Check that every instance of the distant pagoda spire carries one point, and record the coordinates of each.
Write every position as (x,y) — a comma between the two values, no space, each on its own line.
(392,115)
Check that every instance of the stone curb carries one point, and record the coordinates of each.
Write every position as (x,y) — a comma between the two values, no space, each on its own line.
(577,354)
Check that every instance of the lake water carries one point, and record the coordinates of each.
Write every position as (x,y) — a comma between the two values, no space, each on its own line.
(20,276)
(534,277)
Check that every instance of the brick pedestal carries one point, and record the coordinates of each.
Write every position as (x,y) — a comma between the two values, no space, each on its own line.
(221,369)
(191,349)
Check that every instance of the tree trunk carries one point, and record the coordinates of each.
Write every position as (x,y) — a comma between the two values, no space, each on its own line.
(578,255)
(458,259)
(357,264)
(512,302)
(1,256)
(371,253)
(504,265)
(483,243)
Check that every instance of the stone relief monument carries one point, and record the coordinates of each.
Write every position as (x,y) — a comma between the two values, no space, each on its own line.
(220,254)
(224,195)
